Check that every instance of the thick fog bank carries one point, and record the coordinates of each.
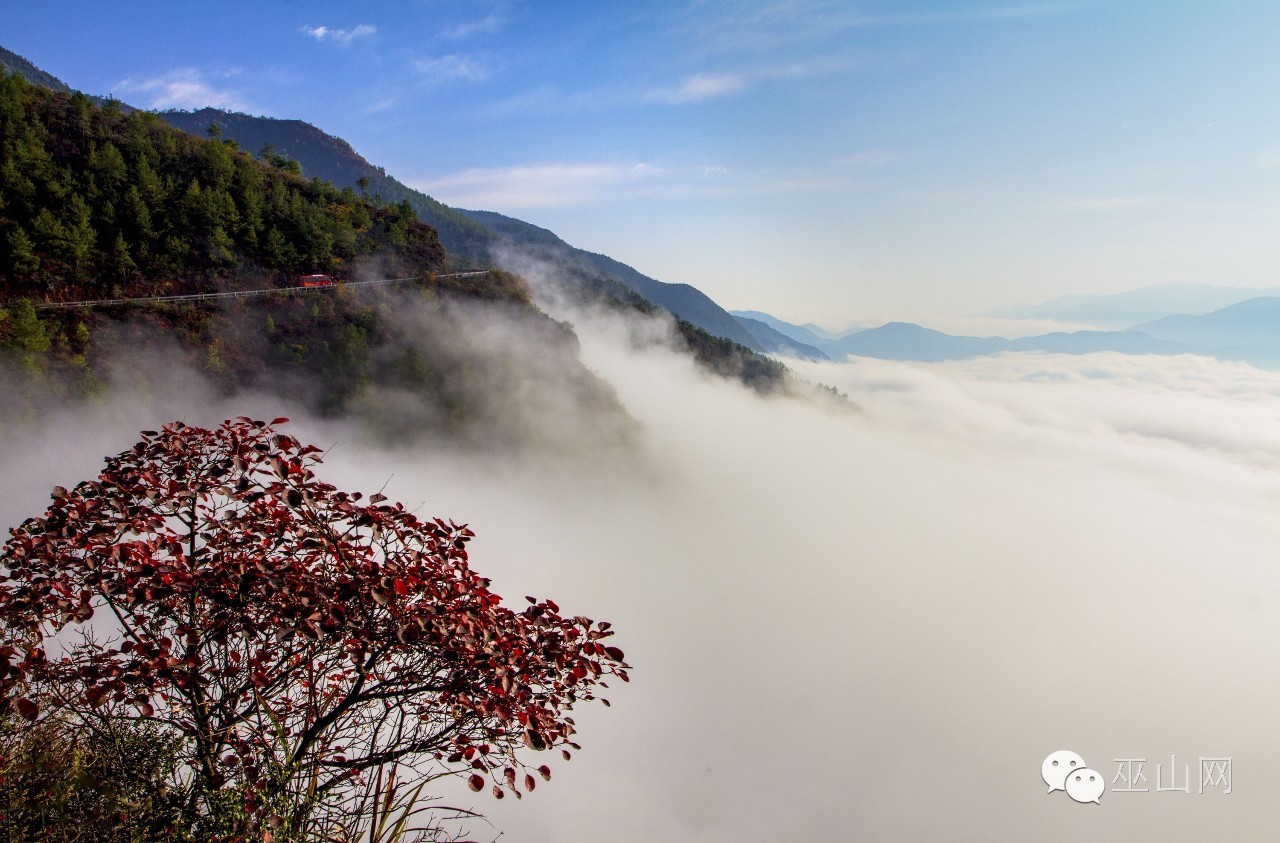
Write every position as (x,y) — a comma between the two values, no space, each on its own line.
(876,625)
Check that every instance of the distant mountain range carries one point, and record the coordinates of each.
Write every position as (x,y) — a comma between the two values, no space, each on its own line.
(1247,331)
(1254,321)
(907,341)
(1119,310)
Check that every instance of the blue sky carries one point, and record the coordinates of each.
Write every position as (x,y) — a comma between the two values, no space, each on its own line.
(844,162)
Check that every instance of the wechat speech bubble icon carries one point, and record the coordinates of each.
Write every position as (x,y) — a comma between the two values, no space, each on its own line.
(1056,767)
(1085,785)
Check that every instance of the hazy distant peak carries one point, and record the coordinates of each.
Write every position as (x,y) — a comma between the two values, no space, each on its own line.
(1133,307)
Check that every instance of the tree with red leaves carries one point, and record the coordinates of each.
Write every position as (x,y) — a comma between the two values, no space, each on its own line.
(308,647)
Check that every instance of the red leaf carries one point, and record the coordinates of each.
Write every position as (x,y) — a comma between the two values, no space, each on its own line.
(545,771)
(475,782)
(27,708)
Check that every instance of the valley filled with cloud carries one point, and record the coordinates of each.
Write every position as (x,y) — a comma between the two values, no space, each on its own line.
(871,619)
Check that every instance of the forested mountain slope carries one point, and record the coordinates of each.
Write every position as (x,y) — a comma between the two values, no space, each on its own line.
(483,238)
(96,203)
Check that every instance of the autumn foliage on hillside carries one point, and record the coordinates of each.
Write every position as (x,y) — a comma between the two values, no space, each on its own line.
(298,642)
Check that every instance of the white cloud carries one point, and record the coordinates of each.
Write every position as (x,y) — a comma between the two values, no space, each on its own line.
(1003,12)
(339,36)
(701,86)
(185,88)
(752,42)
(445,68)
(379,105)
(491,22)
(705,86)
(570,183)
(749,27)
(529,185)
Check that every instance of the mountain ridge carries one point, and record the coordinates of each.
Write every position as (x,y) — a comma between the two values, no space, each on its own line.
(1247,331)
(808,336)
(1133,307)
(907,341)
(776,342)
(477,237)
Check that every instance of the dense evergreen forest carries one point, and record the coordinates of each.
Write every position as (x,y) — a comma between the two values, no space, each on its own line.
(97,203)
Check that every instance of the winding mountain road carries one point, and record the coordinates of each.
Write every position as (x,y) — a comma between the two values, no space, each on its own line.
(236,294)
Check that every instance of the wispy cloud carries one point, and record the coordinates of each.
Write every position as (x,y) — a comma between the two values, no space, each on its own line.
(530,185)
(700,86)
(491,22)
(182,88)
(550,99)
(995,12)
(576,183)
(736,45)
(379,105)
(748,28)
(451,67)
(711,85)
(339,36)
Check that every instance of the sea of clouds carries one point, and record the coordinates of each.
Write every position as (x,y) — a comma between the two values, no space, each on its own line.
(869,620)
